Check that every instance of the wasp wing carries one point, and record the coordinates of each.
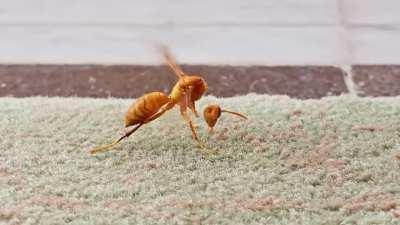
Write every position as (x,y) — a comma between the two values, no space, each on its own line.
(170,60)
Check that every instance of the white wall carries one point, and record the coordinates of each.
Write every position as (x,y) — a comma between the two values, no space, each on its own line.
(207,31)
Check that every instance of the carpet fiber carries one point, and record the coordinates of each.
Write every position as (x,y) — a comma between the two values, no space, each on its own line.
(329,161)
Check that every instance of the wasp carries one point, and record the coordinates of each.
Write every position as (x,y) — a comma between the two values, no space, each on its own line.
(212,113)
(187,90)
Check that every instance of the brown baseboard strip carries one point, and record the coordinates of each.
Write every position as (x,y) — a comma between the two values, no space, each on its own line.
(131,81)
(377,80)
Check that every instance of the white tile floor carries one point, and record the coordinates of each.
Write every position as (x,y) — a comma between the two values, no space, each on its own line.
(266,32)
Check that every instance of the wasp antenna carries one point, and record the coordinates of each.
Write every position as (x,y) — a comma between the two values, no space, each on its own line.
(235,113)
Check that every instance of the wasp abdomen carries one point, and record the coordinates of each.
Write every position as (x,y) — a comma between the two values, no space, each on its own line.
(144,107)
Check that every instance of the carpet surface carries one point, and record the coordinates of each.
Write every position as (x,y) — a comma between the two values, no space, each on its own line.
(329,161)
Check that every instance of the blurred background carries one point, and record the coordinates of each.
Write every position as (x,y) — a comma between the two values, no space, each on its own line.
(341,46)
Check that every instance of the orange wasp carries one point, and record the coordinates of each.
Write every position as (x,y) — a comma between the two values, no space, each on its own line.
(185,93)
(212,113)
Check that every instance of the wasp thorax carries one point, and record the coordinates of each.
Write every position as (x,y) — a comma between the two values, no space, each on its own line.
(193,81)
(211,114)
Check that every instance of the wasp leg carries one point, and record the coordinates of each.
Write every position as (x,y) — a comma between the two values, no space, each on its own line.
(107,147)
(189,121)
(129,133)
(192,107)
(186,117)
(161,111)
(188,103)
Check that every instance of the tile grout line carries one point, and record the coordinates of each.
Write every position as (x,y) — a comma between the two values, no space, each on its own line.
(351,86)
(346,65)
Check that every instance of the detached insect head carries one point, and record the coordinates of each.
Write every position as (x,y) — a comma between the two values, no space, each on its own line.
(212,113)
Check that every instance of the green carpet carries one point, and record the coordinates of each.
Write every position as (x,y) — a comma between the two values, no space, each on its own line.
(329,161)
